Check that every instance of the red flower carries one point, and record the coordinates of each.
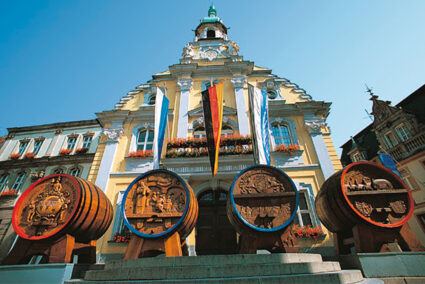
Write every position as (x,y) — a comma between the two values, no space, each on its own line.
(14,156)
(9,192)
(29,156)
(141,154)
(81,150)
(65,152)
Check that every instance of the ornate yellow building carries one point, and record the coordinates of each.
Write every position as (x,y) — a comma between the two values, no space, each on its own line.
(295,118)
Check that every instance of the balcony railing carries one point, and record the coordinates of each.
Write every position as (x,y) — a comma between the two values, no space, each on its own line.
(408,147)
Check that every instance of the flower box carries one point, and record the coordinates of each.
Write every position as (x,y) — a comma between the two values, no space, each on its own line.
(290,149)
(29,156)
(202,142)
(14,156)
(141,154)
(81,150)
(9,193)
(202,152)
(308,232)
(65,152)
(121,237)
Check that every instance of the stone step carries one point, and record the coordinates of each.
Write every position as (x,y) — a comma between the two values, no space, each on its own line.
(201,271)
(344,277)
(238,259)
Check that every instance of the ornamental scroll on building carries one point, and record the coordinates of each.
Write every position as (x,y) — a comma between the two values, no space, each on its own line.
(302,146)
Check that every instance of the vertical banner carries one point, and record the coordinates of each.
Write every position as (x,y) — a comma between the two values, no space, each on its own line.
(388,162)
(212,102)
(260,124)
(161,113)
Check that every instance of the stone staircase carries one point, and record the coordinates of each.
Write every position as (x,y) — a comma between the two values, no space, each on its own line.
(260,268)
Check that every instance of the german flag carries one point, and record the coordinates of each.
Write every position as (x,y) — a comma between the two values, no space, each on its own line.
(212,101)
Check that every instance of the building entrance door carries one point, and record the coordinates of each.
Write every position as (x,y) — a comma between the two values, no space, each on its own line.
(214,233)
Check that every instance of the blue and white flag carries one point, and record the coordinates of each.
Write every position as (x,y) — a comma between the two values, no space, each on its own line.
(260,123)
(161,113)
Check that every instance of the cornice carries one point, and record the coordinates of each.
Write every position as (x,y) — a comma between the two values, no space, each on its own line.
(112,116)
(47,161)
(70,124)
(317,108)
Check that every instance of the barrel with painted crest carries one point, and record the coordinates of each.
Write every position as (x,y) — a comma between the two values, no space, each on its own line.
(262,199)
(364,192)
(158,203)
(62,204)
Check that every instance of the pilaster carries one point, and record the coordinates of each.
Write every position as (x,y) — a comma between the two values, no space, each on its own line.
(183,122)
(238,84)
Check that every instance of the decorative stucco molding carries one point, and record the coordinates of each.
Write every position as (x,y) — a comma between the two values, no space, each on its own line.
(314,126)
(185,84)
(238,81)
(113,133)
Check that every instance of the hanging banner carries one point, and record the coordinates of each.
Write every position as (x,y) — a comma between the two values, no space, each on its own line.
(161,112)
(212,102)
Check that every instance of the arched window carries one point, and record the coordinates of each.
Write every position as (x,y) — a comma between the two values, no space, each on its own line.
(58,171)
(152,100)
(209,84)
(272,95)
(74,172)
(226,130)
(281,134)
(210,34)
(199,132)
(145,140)
(3,181)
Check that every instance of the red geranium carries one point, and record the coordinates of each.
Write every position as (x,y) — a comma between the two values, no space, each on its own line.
(81,150)
(15,156)
(65,152)
(29,156)
(141,154)
(9,192)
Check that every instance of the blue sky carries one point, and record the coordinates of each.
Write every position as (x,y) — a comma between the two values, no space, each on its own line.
(66,60)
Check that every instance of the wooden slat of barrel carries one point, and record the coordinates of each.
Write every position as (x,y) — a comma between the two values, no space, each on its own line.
(262,199)
(61,204)
(364,192)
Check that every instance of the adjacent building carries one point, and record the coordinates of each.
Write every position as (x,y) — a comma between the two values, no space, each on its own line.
(30,153)
(302,144)
(397,131)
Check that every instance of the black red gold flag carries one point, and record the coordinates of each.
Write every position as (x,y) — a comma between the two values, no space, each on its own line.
(212,101)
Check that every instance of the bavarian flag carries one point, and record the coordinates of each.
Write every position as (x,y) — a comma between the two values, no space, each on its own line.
(212,101)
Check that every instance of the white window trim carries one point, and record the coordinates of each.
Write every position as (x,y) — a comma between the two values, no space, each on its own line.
(290,136)
(309,211)
(90,143)
(148,130)
(400,130)
(3,184)
(20,179)
(75,168)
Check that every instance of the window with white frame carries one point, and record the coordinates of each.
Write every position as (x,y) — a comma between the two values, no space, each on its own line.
(358,156)
(3,181)
(18,181)
(119,227)
(208,84)
(408,179)
(389,140)
(403,132)
(226,130)
(87,141)
(199,132)
(37,146)
(70,143)
(145,139)
(58,171)
(75,172)
(305,216)
(152,100)
(281,134)
(22,147)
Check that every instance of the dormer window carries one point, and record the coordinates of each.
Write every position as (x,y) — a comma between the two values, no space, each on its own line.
(37,146)
(403,132)
(87,141)
(152,100)
(210,34)
(70,144)
(22,147)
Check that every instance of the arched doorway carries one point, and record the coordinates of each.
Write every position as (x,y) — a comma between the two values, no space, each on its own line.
(214,233)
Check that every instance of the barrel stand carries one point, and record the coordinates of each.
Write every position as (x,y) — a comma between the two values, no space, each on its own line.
(142,247)
(53,251)
(365,238)
(274,242)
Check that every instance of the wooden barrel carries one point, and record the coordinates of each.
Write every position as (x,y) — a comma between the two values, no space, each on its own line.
(158,203)
(262,199)
(61,204)
(363,192)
